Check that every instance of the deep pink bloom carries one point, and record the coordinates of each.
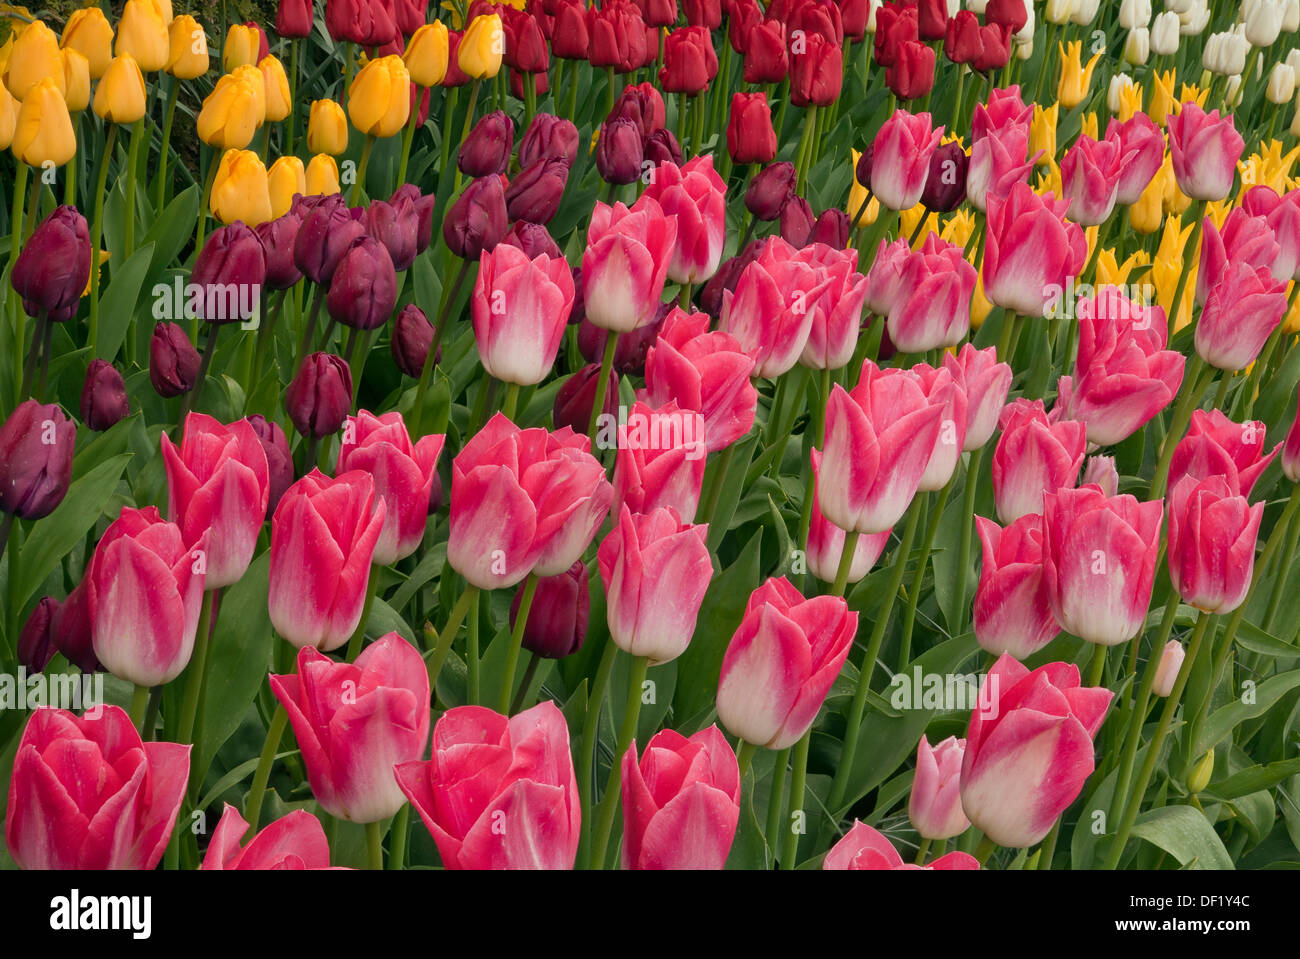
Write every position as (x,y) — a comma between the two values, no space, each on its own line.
(1205,149)
(1216,446)
(1012,611)
(696,195)
(520,307)
(837,307)
(1241,313)
(1030,251)
(865,848)
(901,159)
(1142,151)
(986,383)
(931,308)
(934,808)
(1034,456)
(1090,172)
(660,460)
(626,263)
(1212,534)
(294,841)
(825,546)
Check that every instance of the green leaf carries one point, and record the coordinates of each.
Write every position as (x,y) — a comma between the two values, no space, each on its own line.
(1253,779)
(384,620)
(169,232)
(1252,638)
(749,849)
(117,305)
(1184,833)
(1222,721)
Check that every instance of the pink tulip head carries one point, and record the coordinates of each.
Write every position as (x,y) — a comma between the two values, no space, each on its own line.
(1217,446)
(681,801)
(660,460)
(704,371)
(520,308)
(885,278)
(294,841)
(945,392)
(986,383)
(837,310)
(1100,471)
(997,165)
(866,848)
(1142,152)
(781,663)
(825,547)
(1029,754)
(1030,251)
(1212,535)
(355,721)
(696,195)
(86,793)
(1205,149)
(323,538)
(1245,239)
(498,793)
(1240,314)
(1099,559)
(404,474)
(523,501)
(901,162)
(1013,613)
(1171,662)
(625,264)
(1034,456)
(1004,109)
(934,807)
(1090,172)
(145,588)
(656,570)
(932,308)
(1282,213)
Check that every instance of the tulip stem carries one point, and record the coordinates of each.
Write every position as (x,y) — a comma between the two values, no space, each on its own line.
(511,401)
(1288,522)
(968,523)
(192,397)
(798,784)
(132,158)
(927,544)
(374,846)
(745,756)
(1158,740)
(426,374)
(984,850)
(198,666)
(516,640)
(804,152)
(613,788)
(409,135)
(139,703)
(361,169)
(397,835)
(358,636)
(602,384)
(1196,379)
(922,851)
(847,551)
(443,646)
(776,802)
(721,467)
(164,152)
(586,753)
(33,355)
(530,673)
(1010,323)
(1098,668)
(202,218)
(472,665)
(1143,701)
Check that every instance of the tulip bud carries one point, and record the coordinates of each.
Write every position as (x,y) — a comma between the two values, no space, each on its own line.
(1263,21)
(1119,83)
(426,54)
(363,290)
(488,147)
(662,147)
(53,267)
(90,34)
(43,131)
(293,19)
(286,178)
(232,259)
(557,619)
(831,229)
(770,189)
(322,176)
(277,238)
(34,56)
(534,239)
(142,32)
(945,185)
(1171,661)
(103,396)
(320,396)
(412,337)
(36,446)
(750,137)
(279,100)
(1200,775)
(934,807)
(576,397)
(1137,46)
(796,222)
(477,220)
(1281,84)
(76,80)
(1101,471)
(279,462)
(328,230)
(242,189)
(37,643)
(1164,34)
(120,95)
(379,100)
(619,152)
(233,111)
(173,361)
(327,128)
(551,137)
(187,48)
(534,194)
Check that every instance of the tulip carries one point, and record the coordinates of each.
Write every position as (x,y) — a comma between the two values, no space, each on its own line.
(770,189)
(498,793)
(934,807)
(932,300)
(549,137)
(363,290)
(412,337)
(320,395)
(323,537)
(371,24)
(120,95)
(173,360)
(766,59)
(1075,79)
(985,382)
(293,19)
(626,263)
(660,460)
(1171,662)
(997,164)
(36,446)
(520,308)
(620,151)
(104,401)
(945,183)
(1241,312)
(350,745)
(481,47)
(1013,614)
(76,80)
(294,841)
(825,546)
(1216,446)
(230,271)
(1030,251)
(142,32)
(242,47)
(279,462)
(52,269)
(1027,760)
(187,48)
(487,149)
(1205,150)
(476,222)
(1090,174)
(1212,534)
(837,311)
(901,159)
(864,848)
(1033,456)
(90,34)
(379,103)
(696,195)
(534,194)
(557,619)
(327,128)
(34,56)
(576,398)
(942,390)
(322,176)
(426,54)
(43,130)
(817,74)
(327,233)
(123,822)
(681,802)
(912,75)
(279,99)
(285,178)
(232,112)
(689,61)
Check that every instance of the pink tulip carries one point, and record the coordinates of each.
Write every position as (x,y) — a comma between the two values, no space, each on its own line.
(901,159)
(1240,314)
(656,570)
(943,391)
(354,721)
(1282,213)
(704,371)
(865,848)
(1005,109)
(998,165)
(1028,756)
(520,308)
(218,481)
(837,311)
(1099,562)
(1033,456)
(934,808)
(1171,662)
(681,802)
(781,663)
(825,547)
(1142,152)
(1212,534)
(1216,446)
(879,441)
(294,841)
(1030,251)
(323,538)
(696,195)
(660,460)
(626,263)
(932,306)
(1205,151)
(88,794)
(523,501)
(1090,172)
(1291,452)
(1100,471)
(404,475)
(885,278)
(1124,375)
(498,793)
(1244,239)
(145,590)
(986,383)
(1013,613)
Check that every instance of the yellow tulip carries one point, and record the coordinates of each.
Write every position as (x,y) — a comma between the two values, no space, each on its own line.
(322,175)
(1167,266)
(481,46)
(1162,97)
(980,307)
(379,100)
(1112,273)
(44,130)
(426,54)
(257,83)
(241,190)
(1172,199)
(279,101)
(187,48)
(1049,181)
(909,219)
(1089,126)
(1191,92)
(90,34)
(1269,166)
(857,192)
(1146,215)
(958,228)
(241,47)
(1075,79)
(327,128)
(121,96)
(35,57)
(1042,133)
(8,116)
(76,80)
(285,178)
(233,111)
(1291,324)
(163,8)
(1130,101)
(142,32)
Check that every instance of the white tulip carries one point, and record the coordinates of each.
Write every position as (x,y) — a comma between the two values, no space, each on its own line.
(1281,84)
(1085,11)
(1263,21)
(1232,95)
(1164,34)
(1118,83)
(1058,11)
(1291,16)
(1134,13)
(1137,47)
(1194,19)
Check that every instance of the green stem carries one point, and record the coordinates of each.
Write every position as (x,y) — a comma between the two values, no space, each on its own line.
(164,151)
(443,645)
(922,851)
(139,703)
(798,784)
(968,524)
(602,384)
(609,802)
(472,665)
(511,401)
(914,594)
(745,756)
(516,643)
(776,801)
(197,668)
(361,169)
(586,755)
(1009,323)
(128,224)
(257,793)
(358,637)
(1098,669)
(1048,848)
(397,834)
(408,136)
(374,846)
(1195,380)
(984,850)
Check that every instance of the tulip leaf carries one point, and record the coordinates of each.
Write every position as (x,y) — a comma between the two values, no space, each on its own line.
(749,850)
(170,230)
(1251,637)
(117,307)
(1184,833)
(428,286)
(1251,780)
(384,620)
(1261,698)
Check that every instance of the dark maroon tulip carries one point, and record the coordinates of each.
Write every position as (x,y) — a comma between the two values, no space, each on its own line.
(629,353)
(173,360)
(862,172)
(662,147)
(703,13)
(370,23)
(488,147)
(766,59)
(410,15)
(423,212)
(477,220)
(770,189)
(277,238)
(742,15)
(569,36)
(103,396)
(53,266)
(293,19)
(70,625)
(320,396)
(279,462)
(36,446)
(36,643)
(534,239)
(831,228)
(642,104)
(577,312)
(577,395)
(945,185)
(548,137)
(363,293)
(689,61)
(412,337)
(726,278)
(535,192)
(396,226)
(230,269)
(327,231)
(619,152)
(797,222)
(557,620)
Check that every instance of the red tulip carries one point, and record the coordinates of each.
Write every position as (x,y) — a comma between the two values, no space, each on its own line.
(294,841)
(750,137)
(1034,456)
(293,18)
(279,461)
(1013,613)
(766,60)
(371,23)
(816,71)
(36,447)
(1212,534)
(557,620)
(912,75)
(689,61)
